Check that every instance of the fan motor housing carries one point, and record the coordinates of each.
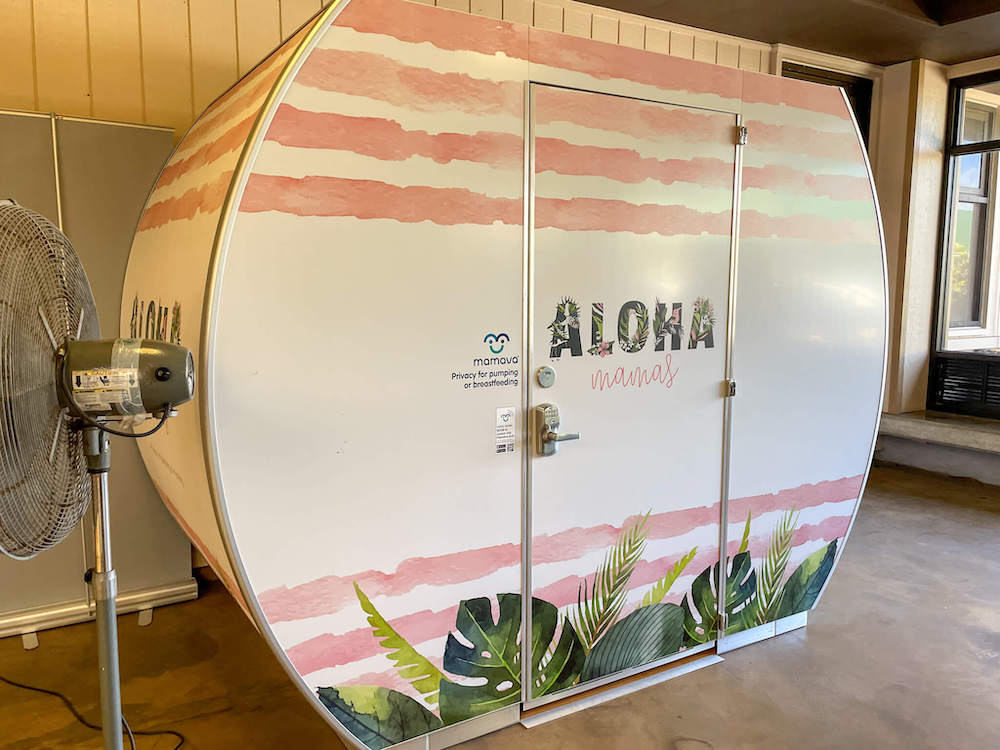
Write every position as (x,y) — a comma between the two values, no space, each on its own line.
(126,376)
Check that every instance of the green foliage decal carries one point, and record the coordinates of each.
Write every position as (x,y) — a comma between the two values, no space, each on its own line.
(599,347)
(565,328)
(804,584)
(745,542)
(769,590)
(702,324)
(648,634)
(741,594)
(664,324)
(599,605)
(412,666)
(378,716)
(636,341)
(662,587)
(495,654)
(554,666)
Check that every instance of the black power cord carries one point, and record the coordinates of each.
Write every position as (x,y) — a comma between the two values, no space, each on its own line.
(80,718)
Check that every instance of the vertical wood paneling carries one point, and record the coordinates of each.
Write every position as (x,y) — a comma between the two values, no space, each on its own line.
(213,49)
(487,8)
(17,82)
(682,44)
(461,5)
(294,13)
(517,11)
(657,40)
(61,67)
(750,59)
(577,22)
(258,31)
(704,49)
(605,29)
(632,34)
(115,53)
(548,16)
(166,63)
(728,54)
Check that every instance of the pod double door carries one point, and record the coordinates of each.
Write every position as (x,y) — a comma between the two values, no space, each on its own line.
(631,217)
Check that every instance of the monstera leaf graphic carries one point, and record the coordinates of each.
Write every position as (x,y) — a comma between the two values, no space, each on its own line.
(804,585)
(648,634)
(741,594)
(378,716)
(495,655)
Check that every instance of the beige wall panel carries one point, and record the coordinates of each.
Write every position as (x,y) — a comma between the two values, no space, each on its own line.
(166,63)
(61,56)
(17,84)
(517,11)
(548,17)
(462,5)
(704,49)
(258,31)
(488,8)
(728,54)
(658,39)
(213,49)
(750,59)
(577,22)
(605,29)
(632,34)
(682,44)
(294,13)
(115,52)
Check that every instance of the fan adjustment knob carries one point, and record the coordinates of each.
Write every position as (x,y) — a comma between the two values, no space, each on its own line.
(163,374)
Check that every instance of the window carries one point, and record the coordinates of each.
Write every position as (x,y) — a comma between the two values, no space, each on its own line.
(969,308)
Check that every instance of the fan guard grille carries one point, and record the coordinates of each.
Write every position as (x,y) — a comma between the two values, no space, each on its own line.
(44,488)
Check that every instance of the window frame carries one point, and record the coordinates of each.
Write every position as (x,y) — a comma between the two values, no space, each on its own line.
(976,334)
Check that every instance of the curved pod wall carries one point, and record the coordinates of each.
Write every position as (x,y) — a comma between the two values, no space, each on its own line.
(351,241)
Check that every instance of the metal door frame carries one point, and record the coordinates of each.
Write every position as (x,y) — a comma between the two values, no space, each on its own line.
(527,339)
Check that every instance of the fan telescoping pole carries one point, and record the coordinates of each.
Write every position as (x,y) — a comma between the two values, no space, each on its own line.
(104,585)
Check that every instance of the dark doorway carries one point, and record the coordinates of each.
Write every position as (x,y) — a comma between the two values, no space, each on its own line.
(858,89)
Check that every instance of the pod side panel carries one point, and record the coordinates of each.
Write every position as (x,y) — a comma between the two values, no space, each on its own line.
(165,281)
(809,340)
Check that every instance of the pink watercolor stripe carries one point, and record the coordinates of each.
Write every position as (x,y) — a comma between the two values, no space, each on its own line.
(612,61)
(329,650)
(387,140)
(632,117)
(206,198)
(446,30)
(789,180)
(626,165)
(809,227)
(795,139)
(368,199)
(333,593)
(224,144)
(594,214)
(377,77)
(766,89)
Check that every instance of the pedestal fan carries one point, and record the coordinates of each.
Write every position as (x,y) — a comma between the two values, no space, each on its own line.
(60,392)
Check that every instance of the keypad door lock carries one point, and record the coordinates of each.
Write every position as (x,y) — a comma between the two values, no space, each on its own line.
(545,423)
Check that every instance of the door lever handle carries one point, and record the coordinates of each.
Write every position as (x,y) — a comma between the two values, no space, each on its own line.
(555,437)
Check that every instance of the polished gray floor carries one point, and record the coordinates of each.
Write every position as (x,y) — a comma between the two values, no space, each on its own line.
(903,652)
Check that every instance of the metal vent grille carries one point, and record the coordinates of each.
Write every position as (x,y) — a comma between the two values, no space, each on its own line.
(965,384)
(44,300)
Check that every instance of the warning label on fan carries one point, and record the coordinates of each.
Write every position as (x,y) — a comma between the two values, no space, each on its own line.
(105,378)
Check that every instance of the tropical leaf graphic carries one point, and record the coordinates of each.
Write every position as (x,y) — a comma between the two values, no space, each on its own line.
(495,656)
(410,664)
(598,605)
(378,716)
(804,584)
(702,600)
(773,570)
(662,587)
(745,543)
(637,341)
(648,634)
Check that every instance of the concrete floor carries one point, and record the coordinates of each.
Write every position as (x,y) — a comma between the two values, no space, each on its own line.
(903,652)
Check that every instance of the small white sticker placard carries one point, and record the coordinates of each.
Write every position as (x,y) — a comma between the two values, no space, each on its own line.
(505,429)
(105,378)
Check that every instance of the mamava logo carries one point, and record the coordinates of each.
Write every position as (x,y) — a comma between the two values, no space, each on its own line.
(493,340)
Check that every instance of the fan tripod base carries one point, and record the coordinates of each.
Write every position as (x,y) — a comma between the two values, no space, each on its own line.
(104,586)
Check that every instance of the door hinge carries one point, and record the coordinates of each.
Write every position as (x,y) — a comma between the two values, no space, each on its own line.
(729,388)
(741,135)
